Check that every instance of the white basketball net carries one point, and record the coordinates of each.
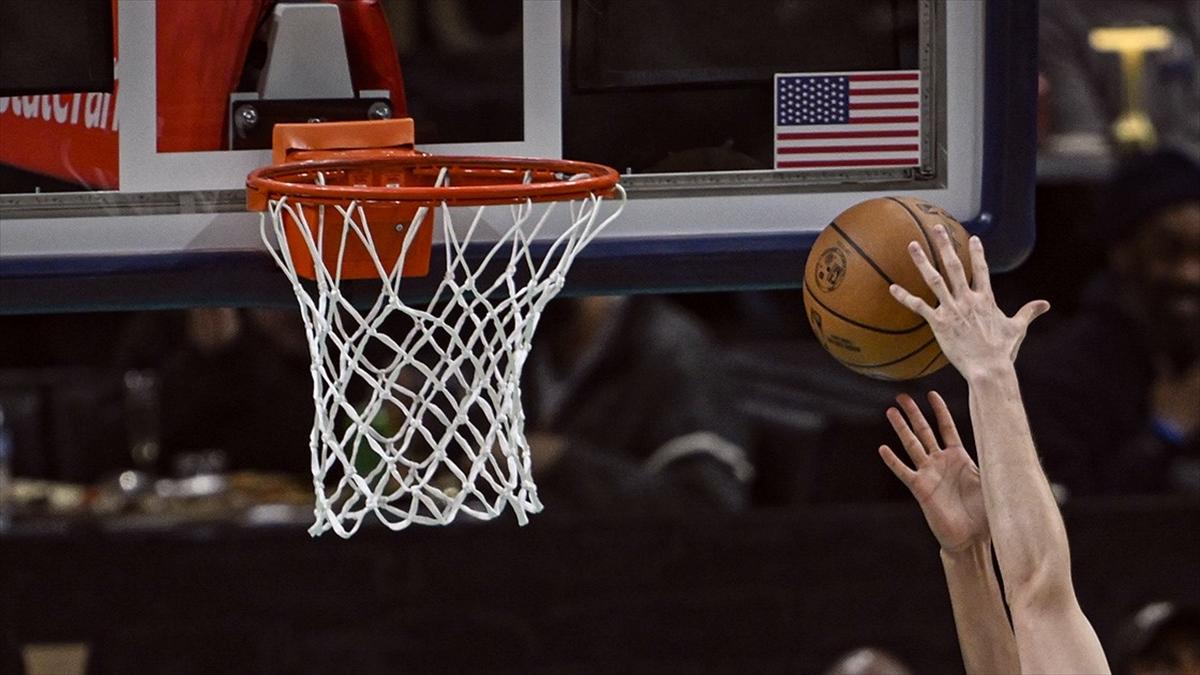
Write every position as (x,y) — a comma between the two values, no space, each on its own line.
(418,426)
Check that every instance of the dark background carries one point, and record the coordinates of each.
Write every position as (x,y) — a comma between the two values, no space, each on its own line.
(766,592)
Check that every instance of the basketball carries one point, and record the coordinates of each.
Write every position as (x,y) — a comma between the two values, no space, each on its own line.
(853,262)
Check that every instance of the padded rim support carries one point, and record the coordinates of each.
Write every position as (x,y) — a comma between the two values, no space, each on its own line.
(300,142)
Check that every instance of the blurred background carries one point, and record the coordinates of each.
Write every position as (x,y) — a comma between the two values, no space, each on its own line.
(714,500)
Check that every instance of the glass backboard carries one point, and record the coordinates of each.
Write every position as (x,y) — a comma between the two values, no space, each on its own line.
(135,197)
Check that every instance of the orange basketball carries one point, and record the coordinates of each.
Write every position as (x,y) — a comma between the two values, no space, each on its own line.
(852,263)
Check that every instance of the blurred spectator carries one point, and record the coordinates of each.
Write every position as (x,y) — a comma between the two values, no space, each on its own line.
(868,661)
(1114,392)
(628,408)
(229,380)
(1085,86)
(1162,638)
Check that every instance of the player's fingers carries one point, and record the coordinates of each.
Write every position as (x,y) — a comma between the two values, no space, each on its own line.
(918,423)
(912,446)
(981,279)
(917,305)
(897,466)
(929,273)
(945,420)
(956,277)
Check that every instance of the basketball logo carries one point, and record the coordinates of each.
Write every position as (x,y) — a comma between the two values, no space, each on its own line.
(831,268)
(932,209)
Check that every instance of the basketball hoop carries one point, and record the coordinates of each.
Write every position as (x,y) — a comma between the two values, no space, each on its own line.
(418,404)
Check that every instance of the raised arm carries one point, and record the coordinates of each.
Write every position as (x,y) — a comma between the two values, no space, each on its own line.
(1052,633)
(945,483)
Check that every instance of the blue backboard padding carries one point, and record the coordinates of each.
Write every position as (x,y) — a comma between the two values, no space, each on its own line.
(1006,222)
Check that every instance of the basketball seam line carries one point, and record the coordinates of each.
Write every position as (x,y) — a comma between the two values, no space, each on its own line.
(937,257)
(861,252)
(893,362)
(937,356)
(847,319)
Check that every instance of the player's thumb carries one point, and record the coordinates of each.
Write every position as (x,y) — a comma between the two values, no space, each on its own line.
(1031,311)
(1024,317)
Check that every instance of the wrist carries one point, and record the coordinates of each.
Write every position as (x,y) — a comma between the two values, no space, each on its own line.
(989,371)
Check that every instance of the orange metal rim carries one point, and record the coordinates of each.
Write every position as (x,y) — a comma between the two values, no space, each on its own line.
(297,180)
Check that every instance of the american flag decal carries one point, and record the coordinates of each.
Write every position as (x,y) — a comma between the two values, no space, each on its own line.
(848,120)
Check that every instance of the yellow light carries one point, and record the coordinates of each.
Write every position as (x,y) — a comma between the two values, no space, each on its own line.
(1133,127)
(1130,39)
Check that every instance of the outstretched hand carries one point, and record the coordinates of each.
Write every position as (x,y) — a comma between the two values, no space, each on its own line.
(971,330)
(945,480)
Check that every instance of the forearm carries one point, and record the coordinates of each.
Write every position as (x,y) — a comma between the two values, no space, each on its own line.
(984,633)
(1027,529)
